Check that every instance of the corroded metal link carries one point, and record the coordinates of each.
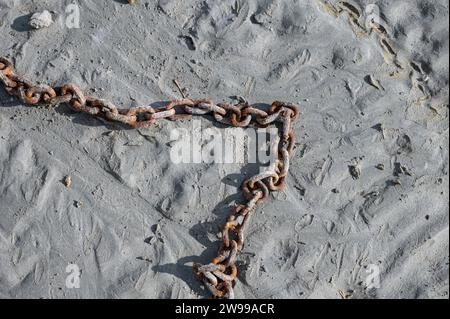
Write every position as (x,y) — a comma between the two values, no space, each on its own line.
(287,124)
(240,122)
(290,142)
(227,288)
(222,290)
(17,82)
(226,243)
(270,118)
(249,188)
(210,267)
(78,100)
(176,103)
(276,184)
(6,67)
(232,256)
(196,111)
(218,276)
(223,254)
(284,162)
(216,109)
(225,118)
(7,83)
(104,105)
(211,278)
(259,196)
(233,116)
(40,94)
(60,99)
(249,110)
(203,107)
(212,288)
(251,182)
(163,114)
(105,109)
(26,91)
(231,277)
(180,117)
(238,119)
(139,117)
(246,212)
(277,105)
(87,108)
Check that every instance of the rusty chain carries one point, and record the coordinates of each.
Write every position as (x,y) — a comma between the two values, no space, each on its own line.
(218,276)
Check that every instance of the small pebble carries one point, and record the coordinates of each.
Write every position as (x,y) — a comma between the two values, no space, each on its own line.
(67,181)
(41,20)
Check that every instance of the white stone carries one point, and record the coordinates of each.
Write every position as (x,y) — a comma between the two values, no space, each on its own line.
(41,20)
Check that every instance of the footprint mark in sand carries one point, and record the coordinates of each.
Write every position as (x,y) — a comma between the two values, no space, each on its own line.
(392,55)
(287,70)
(38,271)
(304,222)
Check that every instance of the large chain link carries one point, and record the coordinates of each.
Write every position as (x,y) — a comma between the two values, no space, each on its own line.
(220,275)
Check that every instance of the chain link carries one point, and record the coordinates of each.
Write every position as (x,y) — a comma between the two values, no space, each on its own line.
(220,275)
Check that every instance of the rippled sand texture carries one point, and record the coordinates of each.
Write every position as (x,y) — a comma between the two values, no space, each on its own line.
(368,186)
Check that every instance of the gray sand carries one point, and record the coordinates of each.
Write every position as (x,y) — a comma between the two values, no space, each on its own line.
(134,222)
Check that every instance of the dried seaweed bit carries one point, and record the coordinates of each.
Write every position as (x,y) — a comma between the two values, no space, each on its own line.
(357,28)
(301,189)
(236,8)
(345,294)
(182,90)
(399,169)
(398,64)
(338,60)
(381,29)
(404,144)
(328,8)
(190,43)
(387,47)
(355,171)
(423,89)
(394,182)
(416,67)
(156,228)
(378,127)
(369,79)
(150,240)
(350,8)
(377,27)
